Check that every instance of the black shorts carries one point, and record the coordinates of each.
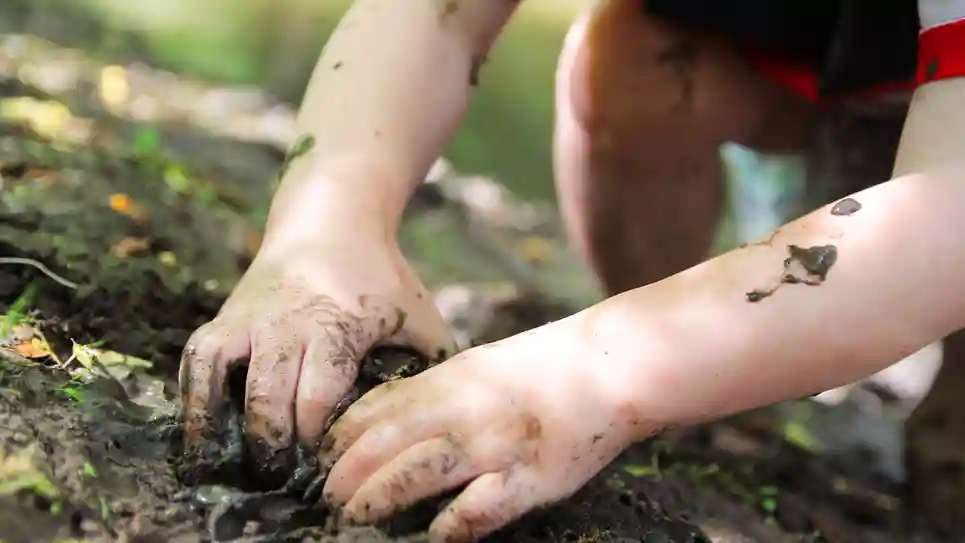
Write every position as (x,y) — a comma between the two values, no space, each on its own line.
(821,48)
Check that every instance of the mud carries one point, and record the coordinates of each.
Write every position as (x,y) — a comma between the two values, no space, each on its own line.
(90,442)
(804,266)
(846,207)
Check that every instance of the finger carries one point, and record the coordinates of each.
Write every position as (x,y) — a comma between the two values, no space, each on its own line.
(377,445)
(424,470)
(489,503)
(276,361)
(382,403)
(211,352)
(327,374)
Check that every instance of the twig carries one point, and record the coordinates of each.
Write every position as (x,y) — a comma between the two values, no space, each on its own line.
(40,266)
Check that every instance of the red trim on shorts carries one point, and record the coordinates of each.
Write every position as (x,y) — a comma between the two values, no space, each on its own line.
(941,52)
(804,80)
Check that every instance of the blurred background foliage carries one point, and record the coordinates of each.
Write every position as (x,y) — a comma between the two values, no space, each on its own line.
(274,45)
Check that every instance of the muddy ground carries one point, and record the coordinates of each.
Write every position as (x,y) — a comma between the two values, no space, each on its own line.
(112,252)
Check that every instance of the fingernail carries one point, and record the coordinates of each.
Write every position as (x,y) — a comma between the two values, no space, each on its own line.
(356,515)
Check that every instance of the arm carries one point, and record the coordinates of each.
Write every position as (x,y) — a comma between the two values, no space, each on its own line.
(897,285)
(386,96)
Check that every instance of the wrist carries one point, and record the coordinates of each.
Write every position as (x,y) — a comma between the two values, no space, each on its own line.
(320,199)
(623,356)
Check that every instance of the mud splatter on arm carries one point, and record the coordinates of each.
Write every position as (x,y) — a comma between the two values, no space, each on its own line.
(302,145)
(805,265)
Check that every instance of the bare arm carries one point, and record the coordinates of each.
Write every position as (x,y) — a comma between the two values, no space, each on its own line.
(699,348)
(387,94)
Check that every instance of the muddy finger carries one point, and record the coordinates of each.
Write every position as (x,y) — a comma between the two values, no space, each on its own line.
(327,375)
(424,470)
(210,354)
(271,384)
(489,503)
(375,447)
(378,407)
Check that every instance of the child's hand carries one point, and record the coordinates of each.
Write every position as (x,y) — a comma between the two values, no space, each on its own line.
(301,319)
(525,422)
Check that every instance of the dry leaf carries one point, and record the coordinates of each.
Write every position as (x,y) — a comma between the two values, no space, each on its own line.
(35,348)
(129,246)
(29,343)
(535,249)
(123,204)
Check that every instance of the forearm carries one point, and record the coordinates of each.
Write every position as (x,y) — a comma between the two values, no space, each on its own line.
(387,94)
(697,347)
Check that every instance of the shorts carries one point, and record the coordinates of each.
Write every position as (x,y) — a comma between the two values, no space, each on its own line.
(821,49)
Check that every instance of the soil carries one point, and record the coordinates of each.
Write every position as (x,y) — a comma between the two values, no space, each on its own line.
(140,250)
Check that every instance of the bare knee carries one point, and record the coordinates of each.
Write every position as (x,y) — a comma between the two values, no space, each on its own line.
(623,72)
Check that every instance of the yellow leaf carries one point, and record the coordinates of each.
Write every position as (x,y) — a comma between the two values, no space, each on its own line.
(114,358)
(535,249)
(123,204)
(83,355)
(129,246)
(114,89)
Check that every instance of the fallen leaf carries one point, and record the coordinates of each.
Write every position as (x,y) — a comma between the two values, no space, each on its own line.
(35,348)
(28,342)
(129,246)
(535,249)
(114,358)
(122,203)
(637,470)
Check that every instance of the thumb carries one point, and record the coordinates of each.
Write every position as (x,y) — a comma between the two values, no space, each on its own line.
(423,329)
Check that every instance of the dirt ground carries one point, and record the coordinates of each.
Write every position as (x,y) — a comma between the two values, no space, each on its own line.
(112,252)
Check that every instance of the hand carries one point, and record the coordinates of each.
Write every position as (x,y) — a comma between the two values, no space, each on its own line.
(525,421)
(301,318)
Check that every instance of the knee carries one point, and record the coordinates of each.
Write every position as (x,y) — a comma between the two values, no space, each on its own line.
(624,74)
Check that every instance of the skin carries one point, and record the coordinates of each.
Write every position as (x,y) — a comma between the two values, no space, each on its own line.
(528,420)
(301,318)
(625,360)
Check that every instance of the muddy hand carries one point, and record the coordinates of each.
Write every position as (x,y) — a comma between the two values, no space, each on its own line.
(301,319)
(525,422)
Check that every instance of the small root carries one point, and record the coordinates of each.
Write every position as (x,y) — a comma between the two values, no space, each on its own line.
(40,266)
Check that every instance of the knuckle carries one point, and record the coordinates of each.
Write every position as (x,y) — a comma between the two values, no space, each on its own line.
(205,342)
(397,485)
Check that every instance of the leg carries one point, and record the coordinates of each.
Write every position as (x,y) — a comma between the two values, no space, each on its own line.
(643,106)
